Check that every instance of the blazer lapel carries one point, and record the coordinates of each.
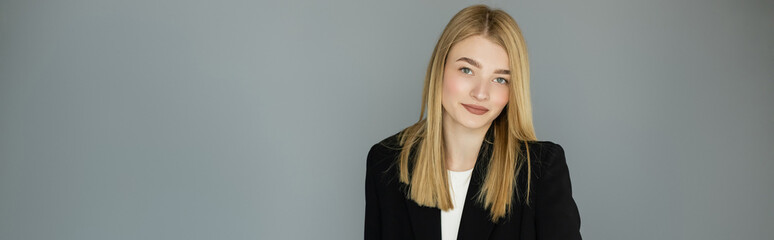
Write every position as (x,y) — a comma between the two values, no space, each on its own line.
(475,222)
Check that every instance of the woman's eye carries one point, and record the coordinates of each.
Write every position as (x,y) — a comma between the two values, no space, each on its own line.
(466,70)
(501,80)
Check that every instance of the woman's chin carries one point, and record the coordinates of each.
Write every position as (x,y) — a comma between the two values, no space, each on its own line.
(476,124)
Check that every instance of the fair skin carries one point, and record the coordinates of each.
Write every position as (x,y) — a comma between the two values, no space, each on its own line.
(476,75)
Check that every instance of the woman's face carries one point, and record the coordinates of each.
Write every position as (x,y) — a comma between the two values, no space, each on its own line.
(475,83)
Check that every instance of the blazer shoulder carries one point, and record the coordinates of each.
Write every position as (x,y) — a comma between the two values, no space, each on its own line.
(546,153)
(547,146)
(383,153)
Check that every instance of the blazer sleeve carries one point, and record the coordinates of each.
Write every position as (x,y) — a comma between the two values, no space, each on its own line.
(556,214)
(372,212)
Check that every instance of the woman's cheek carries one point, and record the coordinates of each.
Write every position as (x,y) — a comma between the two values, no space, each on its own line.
(453,86)
(501,98)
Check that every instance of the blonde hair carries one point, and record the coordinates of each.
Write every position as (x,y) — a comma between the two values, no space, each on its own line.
(427,181)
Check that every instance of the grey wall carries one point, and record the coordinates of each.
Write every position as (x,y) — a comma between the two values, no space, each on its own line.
(252,120)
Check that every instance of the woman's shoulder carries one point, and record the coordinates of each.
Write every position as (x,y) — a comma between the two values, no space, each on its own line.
(544,147)
(384,152)
(548,161)
(546,153)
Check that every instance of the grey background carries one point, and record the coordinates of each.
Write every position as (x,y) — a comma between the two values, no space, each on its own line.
(252,120)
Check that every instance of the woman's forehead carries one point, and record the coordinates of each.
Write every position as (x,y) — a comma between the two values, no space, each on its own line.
(481,50)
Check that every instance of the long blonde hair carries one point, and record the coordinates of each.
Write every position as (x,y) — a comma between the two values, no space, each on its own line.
(423,141)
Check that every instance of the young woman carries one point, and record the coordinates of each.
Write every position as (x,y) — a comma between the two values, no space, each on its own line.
(473,169)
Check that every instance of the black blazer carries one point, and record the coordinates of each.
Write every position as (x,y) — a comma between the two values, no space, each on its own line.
(552,214)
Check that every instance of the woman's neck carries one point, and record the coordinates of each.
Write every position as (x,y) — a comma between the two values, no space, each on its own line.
(462,145)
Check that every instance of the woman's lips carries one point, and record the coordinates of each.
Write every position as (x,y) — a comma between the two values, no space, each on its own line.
(475,109)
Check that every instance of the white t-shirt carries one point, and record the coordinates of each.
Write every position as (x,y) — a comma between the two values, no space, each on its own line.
(458,187)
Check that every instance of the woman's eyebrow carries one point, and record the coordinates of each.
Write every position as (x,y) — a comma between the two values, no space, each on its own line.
(478,65)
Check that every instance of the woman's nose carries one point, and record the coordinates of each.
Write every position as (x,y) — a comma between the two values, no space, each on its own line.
(480,91)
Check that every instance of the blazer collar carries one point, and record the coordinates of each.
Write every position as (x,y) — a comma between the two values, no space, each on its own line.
(475,222)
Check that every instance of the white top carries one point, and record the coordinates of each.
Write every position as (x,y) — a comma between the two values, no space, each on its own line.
(458,187)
